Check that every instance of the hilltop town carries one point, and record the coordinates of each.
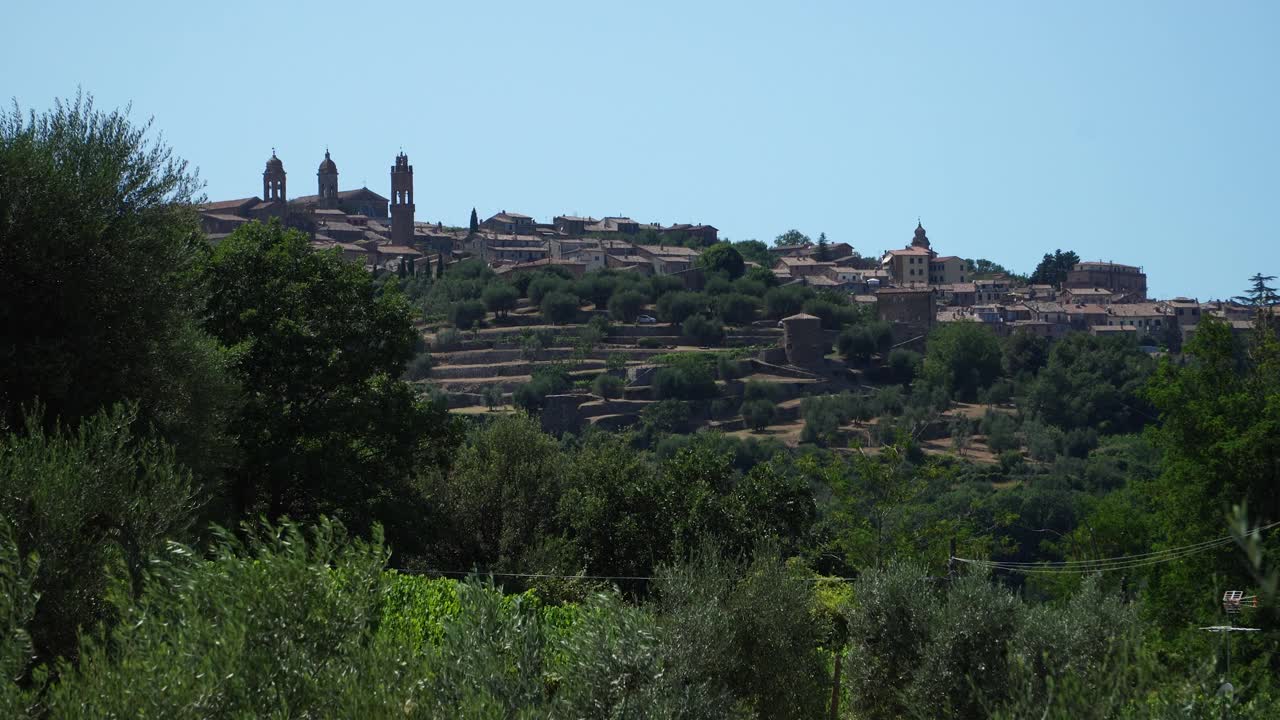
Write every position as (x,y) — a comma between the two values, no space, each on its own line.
(912,286)
(584,320)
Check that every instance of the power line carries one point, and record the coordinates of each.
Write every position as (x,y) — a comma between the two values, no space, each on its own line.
(1122,562)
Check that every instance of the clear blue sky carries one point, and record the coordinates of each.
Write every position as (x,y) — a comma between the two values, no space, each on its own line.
(1139,132)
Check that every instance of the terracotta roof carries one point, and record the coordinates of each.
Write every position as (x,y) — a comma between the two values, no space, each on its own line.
(226,218)
(229,204)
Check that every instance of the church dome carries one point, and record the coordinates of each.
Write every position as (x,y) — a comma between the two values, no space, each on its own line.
(920,239)
(327,166)
(273,162)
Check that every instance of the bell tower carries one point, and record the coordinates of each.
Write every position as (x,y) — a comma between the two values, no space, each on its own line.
(327,177)
(402,201)
(273,179)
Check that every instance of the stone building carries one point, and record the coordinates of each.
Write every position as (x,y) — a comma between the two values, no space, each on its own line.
(1127,280)
(913,307)
(803,339)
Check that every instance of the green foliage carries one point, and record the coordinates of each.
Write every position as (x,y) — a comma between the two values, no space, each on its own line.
(500,298)
(83,500)
(18,598)
(754,251)
(1053,269)
(689,382)
(739,637)
(467,314)
(596,288)
(546,380)
(963,357)
(676,307)
(758,413)
(559,307)
(791,237)
(447,340)
(1220,438)
(626,305)
(419,368)
(328,427)
(275,620)
(1092,382)
(860,342)
(722,258)
(98,301)
(736,308)
(904,364)
(544,283)
(703,330)
(608,386)
(781,302)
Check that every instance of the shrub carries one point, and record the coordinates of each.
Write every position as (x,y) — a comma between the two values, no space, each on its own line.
(596,288)
(547,380)
(466,314)
(667,416)
(447,340)
(650,343)
(758,413)
(608,386)
(717,285)
(559,307)
(703,330)
(688,383)
(626,305)
(726,367)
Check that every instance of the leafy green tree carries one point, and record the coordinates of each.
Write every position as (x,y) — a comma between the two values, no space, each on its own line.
(474,225)
(544,283)
(328,428)
(822,253)
(1092,382)
(703,330)
(596,288)
(754,251)
(1024,354)
(546,380)
(467,314)
(722,258)
(691,382)
(859,343)
(82,500)
(736,308)
(559,307)
(780,302)
(500,298)
(1220,438)
(98,302)
(626,305)
(963,357)
(791,237)
(502,493)
(758,413)
(1053,269)
(676,307)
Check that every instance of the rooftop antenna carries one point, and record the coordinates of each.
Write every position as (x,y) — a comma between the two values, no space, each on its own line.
(1232,602)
